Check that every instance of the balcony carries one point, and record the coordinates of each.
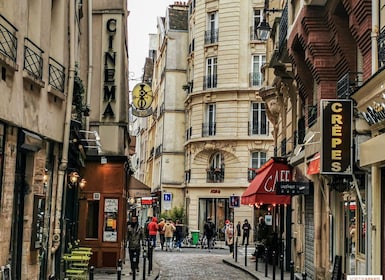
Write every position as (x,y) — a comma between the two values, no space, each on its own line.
(8,40)
(348,84)
(215,175)
(188,133)
(208,129)
(258,128)
(33,59)
(56,75)
(255,79)
(211,36)
(381,48)
(210,81)
(283,26)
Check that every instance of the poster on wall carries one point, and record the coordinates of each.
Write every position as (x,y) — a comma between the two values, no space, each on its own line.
(110,233)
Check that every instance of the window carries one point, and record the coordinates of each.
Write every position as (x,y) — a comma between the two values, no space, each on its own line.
(256,77)
(216,170)
(258,158)
(257,18)
(208,128)
(211,35)
(92,219)
(259,124)
(211,73)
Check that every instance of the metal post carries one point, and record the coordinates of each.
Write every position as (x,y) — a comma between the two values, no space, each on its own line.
(281,264)
(256,258)
(144,262)
(266,262)
(291,270)
(304,275)
(92,268)
(274,265)
(236,250)
(150,251)
(133,268)
(246,255)
(119,270)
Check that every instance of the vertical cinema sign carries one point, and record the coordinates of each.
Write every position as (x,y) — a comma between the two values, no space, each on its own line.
(109,83)
(336,130)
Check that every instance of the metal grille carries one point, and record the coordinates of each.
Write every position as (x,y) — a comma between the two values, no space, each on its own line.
(208,129)
(33,60)
(283,30)
(8,40)
(211,36)
(381,48)
(56,74)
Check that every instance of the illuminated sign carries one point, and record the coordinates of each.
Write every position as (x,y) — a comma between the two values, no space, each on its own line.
(141,100)
(336,131)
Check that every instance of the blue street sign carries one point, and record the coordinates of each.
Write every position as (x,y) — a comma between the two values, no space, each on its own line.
(235,201)
(167,197)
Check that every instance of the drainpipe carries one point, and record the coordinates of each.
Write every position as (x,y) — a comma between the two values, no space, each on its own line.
(90,65)
(63,164)
(374,34)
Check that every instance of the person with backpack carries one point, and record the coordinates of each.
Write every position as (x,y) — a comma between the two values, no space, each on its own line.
(209,232)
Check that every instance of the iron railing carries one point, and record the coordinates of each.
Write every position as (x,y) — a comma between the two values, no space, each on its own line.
(210,81)
(348,84)
(257,128)
(8,40)
(312,115)
(215,175)
(255,79)
(251,173)
(283,25)
(208,129)
(381,48)
(56,75)
(188,133)
(33,59)
(253,33)
(211,36)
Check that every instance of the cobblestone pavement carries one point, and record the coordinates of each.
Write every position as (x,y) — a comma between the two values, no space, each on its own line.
(194,264)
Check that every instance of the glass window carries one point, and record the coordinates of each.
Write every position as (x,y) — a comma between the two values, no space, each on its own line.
(257,62)
(92,219)
(257,17)
(211,72)
(259,124)
(257,159)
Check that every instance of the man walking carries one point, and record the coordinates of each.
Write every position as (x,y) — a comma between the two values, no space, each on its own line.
(134,240)
(209,232)
(246,227)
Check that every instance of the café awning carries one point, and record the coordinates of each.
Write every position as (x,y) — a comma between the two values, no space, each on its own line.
(262,189)
(137,189)
(314,165)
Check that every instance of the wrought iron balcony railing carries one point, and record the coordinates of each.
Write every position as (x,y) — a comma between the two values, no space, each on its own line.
(211,36)
(258,128)
(251,173)
(210,81)
(56,75)
(215,175)
(8,40)
(381,48)
(348,84)
(283,25)
(188,133)
(208,129)
(253,33)
(33,59)
(255,79)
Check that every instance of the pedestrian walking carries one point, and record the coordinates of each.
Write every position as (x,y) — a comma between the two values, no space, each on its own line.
(169,229)
(153,231)
(246,227)
(209,232)
(161,232)
(135,237)
(239,229)
(178,234)
(230,237)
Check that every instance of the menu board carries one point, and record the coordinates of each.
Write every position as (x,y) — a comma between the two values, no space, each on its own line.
(110,232)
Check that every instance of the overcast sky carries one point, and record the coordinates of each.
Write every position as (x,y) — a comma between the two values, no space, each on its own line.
(142,22)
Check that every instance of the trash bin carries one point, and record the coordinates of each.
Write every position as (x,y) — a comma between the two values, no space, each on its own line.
(195,237)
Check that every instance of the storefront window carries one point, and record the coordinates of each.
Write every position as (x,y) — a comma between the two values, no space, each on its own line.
(92,221)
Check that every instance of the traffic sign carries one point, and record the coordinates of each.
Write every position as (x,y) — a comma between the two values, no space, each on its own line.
(167,196)
(235,201)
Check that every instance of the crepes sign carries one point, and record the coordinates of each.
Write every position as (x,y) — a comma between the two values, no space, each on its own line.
(336,135)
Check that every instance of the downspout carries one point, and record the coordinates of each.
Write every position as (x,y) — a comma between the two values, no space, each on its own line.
(67,124)
(90,63)
(374,34)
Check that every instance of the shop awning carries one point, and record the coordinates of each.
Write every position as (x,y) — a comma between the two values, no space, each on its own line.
(262,188)
(314,165)
(137,189)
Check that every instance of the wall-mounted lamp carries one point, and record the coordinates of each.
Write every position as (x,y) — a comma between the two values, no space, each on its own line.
(263,29)
(76,180)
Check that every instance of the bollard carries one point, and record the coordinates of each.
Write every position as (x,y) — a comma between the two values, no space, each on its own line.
(133,268)
(150,250)
(291,270)
(119,270)
(144,262)
(246,255)
(236,250)
(304,275)
(266,263)
(256,258)
(281,264)
(92,268)
(274,265)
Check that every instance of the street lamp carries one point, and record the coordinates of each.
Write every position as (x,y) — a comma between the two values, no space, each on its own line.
(263,29)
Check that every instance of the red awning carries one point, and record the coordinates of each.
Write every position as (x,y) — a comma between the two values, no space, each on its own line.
(262,188)
(314,165)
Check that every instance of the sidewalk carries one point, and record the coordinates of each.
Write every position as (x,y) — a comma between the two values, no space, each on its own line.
(250,268)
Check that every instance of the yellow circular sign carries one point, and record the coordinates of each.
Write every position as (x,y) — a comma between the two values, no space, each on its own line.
(142,96)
